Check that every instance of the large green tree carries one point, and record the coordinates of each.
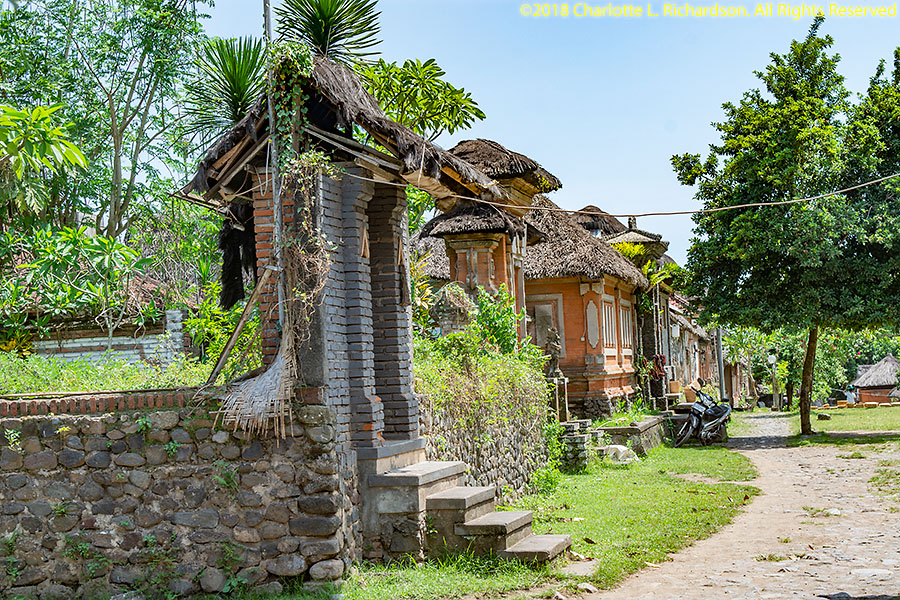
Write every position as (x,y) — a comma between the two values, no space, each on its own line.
(821,263)
(119,68)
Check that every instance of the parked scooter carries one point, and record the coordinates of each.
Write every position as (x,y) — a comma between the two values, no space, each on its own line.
(706,421)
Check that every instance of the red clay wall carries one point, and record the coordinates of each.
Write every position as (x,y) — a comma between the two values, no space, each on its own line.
(598,375)
(880,395)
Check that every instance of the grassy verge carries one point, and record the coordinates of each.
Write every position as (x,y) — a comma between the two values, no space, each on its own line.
(52,374)
(625,517)
(857,419)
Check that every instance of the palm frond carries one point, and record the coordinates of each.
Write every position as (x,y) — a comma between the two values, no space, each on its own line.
(341,30)
(231,78)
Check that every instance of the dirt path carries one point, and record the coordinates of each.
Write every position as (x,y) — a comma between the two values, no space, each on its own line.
(853,555)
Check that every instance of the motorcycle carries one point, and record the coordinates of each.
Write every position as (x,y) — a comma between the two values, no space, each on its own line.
(707,420)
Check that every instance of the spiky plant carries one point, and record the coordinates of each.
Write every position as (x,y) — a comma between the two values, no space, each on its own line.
(231,78)
(344,31)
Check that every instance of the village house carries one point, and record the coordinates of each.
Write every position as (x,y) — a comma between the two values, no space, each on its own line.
(357,359)
(567,280)
(875,383)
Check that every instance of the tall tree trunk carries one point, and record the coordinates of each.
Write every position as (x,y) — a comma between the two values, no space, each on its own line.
(789,389)
(806,380)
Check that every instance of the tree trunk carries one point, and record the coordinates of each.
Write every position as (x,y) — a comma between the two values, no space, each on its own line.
(806,380)
(789,390)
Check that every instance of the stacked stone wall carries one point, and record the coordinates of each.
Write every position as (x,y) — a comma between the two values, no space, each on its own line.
(502,449)
(94,505)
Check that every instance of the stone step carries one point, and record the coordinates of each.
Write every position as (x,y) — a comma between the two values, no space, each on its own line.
(460,498)
(419,474)
(495,531)
(497,523)
(538,548)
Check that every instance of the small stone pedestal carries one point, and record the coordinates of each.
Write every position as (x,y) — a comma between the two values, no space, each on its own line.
(559,399)
(575,445)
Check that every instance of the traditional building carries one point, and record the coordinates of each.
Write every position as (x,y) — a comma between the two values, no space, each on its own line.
(355,361)
(875,383)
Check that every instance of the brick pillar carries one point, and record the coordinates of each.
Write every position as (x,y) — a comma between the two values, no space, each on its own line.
(367,411)
(391,312)
(264,222)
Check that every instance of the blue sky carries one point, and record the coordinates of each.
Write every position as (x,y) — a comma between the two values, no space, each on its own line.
(601,103)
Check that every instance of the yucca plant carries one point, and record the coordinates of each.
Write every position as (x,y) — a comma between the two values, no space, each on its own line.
(231,78)
(341,30)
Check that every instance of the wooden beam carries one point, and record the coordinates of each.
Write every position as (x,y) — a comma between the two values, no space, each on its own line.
(245,316)
(233,171)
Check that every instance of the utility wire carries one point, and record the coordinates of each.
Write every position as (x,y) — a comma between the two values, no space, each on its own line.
(648,214)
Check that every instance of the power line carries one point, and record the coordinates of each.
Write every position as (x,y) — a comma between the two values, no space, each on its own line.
(648,214)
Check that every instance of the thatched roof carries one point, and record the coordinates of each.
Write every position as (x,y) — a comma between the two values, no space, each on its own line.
(504,165)
(689,325)
(570,251)
(437,265)
(352,104)
(598,222)
(882,374)
(477,217)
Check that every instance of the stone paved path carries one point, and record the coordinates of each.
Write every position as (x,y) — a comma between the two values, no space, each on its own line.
(855,555)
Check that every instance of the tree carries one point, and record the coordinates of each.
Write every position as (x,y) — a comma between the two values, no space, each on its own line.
(805,265)
(232,77)
(32,146)
(118,66)
(416,94)
(341,30)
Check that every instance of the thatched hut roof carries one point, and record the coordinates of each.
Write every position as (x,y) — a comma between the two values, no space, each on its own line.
(882,374)
(570,251)
(437,264)
(599,222)
(349,103)
(506,166)
(477,217)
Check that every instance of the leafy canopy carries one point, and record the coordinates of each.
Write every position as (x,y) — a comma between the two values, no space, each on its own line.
(824,262)
(32,146)
(416,94)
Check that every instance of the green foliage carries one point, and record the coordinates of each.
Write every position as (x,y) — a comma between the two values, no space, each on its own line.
(32,145)
(416,94)
(13,439)
(172,447)
(143,424)
(66,273)
(636,253)
(341,30)
(210,327)
(423,296)
(50,374)
(419,203)
(231,78)
(546,479)
(225,477)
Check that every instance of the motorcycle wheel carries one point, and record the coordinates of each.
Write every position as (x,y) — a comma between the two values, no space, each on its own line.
(684,433)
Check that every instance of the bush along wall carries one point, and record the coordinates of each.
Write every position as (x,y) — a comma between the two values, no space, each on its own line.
(162,502)
(490,414)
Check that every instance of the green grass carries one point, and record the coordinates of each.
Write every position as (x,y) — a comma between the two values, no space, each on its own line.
(887,480)
(855,419)
(51,374)
(634,514)
(740,424)
(625,517)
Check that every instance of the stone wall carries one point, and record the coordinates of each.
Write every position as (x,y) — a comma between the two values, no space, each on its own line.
(501,450)
(162,500)
(157,344)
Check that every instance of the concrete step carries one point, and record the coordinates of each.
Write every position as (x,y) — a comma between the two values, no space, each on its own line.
(419,474)
(404,490)
(496,531)
(460,498)
(538,548)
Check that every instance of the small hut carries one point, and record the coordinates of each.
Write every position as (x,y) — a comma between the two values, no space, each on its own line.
(876,383)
